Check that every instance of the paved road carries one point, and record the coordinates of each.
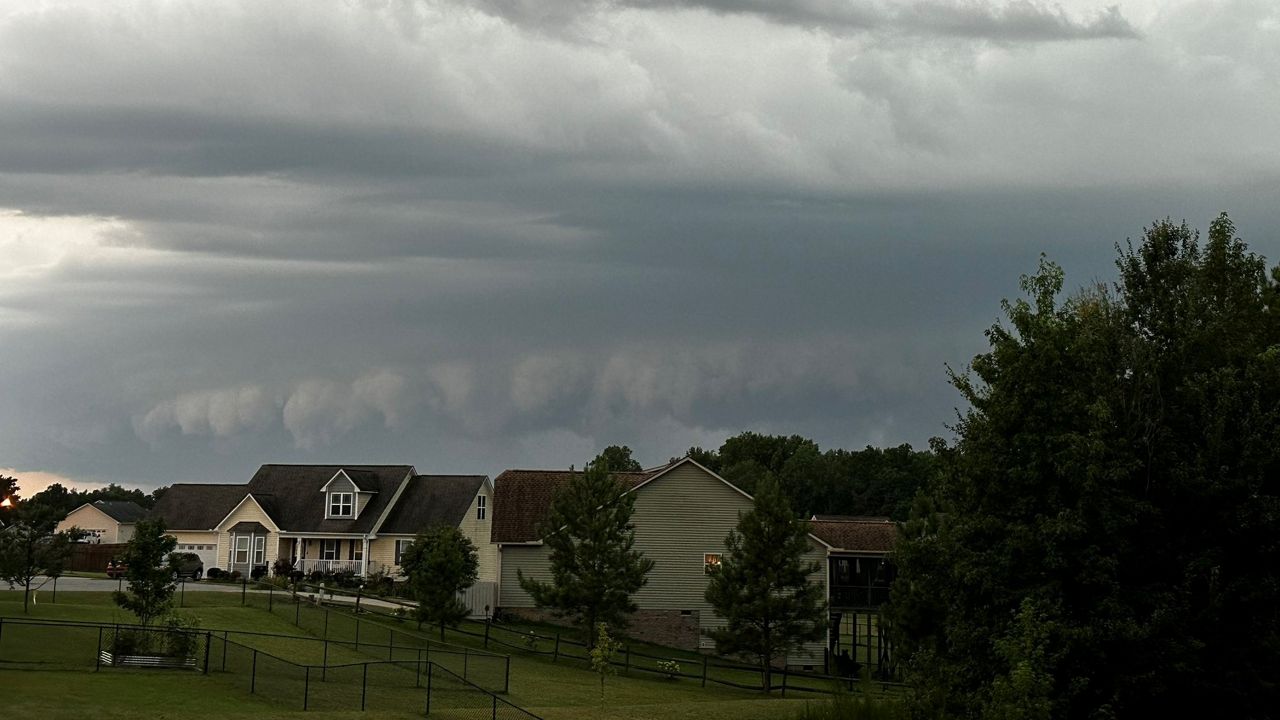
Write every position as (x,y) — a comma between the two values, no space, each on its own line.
(84,584)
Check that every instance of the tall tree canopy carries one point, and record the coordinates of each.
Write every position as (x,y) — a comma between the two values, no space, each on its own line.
(1103,541)
(595,567)
(618,459)
(871,481)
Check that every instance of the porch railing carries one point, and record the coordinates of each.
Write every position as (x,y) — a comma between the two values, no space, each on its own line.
(307,565)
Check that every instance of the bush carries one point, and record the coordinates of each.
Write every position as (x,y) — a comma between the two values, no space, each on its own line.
(234,575)
(258,572)
(854,706)
(282,568)
(214,573)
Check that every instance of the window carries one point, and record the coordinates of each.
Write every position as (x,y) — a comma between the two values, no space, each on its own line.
(480,506)
(357,550)
(328,549)
(401,546)
(710,562)
(341,504)
(259,550)
(242,550)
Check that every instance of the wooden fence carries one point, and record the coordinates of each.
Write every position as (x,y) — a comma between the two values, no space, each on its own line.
(88,557)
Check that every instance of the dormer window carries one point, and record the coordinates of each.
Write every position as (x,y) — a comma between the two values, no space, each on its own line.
(341,504)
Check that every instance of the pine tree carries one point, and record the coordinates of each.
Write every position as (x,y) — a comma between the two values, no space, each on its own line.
(761,586)
(595,568)
(440,563)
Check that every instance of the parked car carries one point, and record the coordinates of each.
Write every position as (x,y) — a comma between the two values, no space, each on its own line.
(184,565)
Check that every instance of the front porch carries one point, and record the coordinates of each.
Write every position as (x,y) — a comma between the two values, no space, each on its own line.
(327,555)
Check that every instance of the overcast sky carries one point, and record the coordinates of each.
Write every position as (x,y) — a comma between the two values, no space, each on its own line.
(507,233)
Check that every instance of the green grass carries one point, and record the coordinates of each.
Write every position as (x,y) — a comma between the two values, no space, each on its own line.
(565,690)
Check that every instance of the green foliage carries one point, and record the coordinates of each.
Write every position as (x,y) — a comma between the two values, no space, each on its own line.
(595,568)
(440,563)
(618,459)
(62,500)
(602,653)
(871,481)
(30,548)
(1102,541)
(761,587)
(150,588)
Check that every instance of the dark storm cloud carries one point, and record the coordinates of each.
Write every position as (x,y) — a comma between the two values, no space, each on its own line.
(413,232)
(1016,21)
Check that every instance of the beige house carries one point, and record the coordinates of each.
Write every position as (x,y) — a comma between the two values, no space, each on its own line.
(683,512)
(324,518)
(104,521)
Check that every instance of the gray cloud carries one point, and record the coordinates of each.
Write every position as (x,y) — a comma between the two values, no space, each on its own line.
(413,232)
(1014,21)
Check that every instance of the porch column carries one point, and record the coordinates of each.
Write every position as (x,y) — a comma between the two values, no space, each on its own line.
(364,557)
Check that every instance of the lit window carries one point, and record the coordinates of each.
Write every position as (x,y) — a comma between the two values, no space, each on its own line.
(710,562)
(480,506)
(340,504)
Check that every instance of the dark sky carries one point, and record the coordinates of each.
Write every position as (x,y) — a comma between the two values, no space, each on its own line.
(507,234)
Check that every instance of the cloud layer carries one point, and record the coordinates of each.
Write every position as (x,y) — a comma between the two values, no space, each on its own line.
(472,236)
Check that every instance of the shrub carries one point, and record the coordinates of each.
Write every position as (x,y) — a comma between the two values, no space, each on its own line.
(282,568)
(258,572)
(214,573)
(854,706)
(670,667)
(234,575)
(182,636)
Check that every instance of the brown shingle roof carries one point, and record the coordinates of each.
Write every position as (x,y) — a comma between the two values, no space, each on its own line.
(431,500)
(855,534)
(197,506)
(522,498)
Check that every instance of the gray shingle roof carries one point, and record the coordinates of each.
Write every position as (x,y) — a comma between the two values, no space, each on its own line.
(197,506)
(431,500)
(123,511)
(291,496)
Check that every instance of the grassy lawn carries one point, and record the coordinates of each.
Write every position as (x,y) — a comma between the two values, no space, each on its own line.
(552,690)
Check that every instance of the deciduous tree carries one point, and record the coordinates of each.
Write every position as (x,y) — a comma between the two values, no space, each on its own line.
(148,572)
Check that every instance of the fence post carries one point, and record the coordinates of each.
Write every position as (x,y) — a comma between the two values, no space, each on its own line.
(506,680)
(357,633)
(208,640)
(326,621)
(494,716)
(306,688)
(55,589)
(297,611)
(358,591)
(704,671)
(784,681)
(417,670)
(253,676)
(244,586)
(364,686)
(97,660)
(428,708)
(486,633)
(324,670)
(120,584)
(556,656)
(627,667)
(271,595)
(224,650)
(182,593)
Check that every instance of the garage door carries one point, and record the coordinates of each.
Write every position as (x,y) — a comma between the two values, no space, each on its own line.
(208,554)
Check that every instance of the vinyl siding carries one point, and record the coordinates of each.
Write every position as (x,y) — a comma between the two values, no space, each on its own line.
(88,517)
(246,512)
(477,531)
(678,518)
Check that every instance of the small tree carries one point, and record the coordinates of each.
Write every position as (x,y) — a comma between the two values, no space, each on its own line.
(761,586)
(595,568)
(602,655)
(440,563)
(149,572)
(30,548)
